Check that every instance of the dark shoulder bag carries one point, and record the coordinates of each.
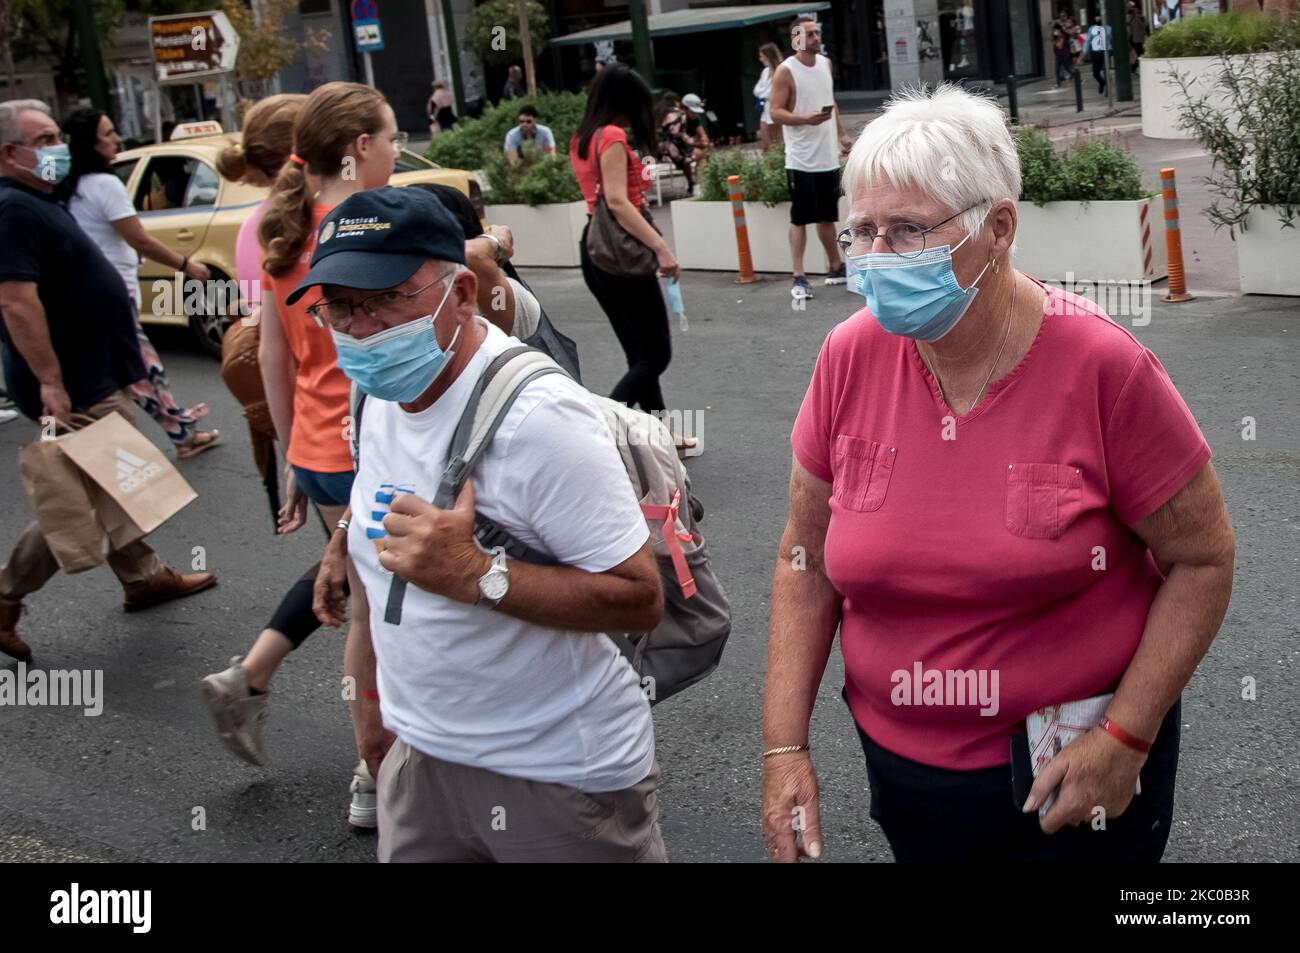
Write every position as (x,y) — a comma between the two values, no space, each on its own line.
(610,246)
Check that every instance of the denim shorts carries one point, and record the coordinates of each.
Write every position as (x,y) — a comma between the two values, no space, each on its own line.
(325,489)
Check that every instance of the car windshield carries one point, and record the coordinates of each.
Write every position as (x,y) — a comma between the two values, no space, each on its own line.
(408,161)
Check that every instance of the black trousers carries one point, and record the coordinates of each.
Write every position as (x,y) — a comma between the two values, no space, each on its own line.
(933,815)
(1099,69)
(636,310)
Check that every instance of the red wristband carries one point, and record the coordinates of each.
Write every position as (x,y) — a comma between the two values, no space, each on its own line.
(1122,736)
(370,695)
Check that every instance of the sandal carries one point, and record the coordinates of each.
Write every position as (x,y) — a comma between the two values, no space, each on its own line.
(199,441)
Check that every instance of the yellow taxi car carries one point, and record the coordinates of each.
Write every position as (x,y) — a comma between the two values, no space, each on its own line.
(185,204)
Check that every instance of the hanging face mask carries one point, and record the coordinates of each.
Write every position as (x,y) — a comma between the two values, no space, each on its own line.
(53,163)
(919,297)
(400,363)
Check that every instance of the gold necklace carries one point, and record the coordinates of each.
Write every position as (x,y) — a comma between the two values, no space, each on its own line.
(1005,334)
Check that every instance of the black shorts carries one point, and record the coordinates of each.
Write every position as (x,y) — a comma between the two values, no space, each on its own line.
(814,196)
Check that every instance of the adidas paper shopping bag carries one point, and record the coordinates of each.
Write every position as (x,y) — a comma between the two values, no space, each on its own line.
(60,495)
(135,489)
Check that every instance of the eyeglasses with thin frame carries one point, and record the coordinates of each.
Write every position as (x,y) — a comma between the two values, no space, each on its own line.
(336,314)
(400,140)
(905,239)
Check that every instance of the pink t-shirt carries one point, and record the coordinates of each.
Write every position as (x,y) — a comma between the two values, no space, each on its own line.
(983,554)
(248,253)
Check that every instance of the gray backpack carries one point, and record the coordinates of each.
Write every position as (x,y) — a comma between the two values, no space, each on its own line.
(688,642)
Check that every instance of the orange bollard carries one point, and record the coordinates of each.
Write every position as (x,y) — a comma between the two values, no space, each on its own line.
(747,275)
(1173,239)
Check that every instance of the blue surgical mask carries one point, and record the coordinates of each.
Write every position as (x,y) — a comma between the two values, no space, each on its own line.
(919,297)
(53,163)
(398,364)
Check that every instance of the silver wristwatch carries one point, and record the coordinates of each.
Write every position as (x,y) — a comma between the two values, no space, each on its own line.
(495,583)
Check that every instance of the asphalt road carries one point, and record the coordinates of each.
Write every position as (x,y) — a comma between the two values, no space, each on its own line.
(125,785)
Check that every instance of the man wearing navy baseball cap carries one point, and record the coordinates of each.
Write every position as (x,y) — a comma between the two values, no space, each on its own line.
(496,682)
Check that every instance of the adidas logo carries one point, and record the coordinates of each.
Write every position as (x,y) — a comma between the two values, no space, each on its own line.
(132,472)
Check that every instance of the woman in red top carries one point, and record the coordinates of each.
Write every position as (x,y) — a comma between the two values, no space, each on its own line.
(600,154)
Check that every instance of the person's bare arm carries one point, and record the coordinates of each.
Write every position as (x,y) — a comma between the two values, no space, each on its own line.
(434,549)
(373,739)
(134,234)
(24,317)
(1192,541)
(495,295)
(278,369)
(804,617)
(805,613)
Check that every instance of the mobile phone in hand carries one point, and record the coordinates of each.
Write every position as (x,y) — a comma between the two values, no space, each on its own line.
(827,109)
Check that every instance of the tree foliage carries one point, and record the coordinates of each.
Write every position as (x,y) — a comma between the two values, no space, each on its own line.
(493,31)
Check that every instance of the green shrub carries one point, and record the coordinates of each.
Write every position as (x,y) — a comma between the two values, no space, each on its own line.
(1091,171)
(1227,33)
(470,143)
(762,177)
(535,179)
(1253,138)
(1040,167)
(1097,171)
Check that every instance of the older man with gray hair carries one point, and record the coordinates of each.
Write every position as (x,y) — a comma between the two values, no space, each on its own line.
(68,344)
(521,731)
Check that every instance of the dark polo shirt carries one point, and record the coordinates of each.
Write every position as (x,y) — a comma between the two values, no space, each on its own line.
(90,315)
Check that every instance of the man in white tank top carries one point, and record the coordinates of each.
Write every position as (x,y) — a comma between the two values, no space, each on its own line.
(803,101)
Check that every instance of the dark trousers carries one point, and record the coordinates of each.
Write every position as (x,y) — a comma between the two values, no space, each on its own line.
(1099,69)
(1064,63)
(635,308)
(933,815)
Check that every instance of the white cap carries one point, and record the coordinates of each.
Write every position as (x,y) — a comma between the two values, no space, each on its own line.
(693,103)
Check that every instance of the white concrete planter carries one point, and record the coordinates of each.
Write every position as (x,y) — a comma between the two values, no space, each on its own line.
(704,234)
(1267,254)
(1092,241)
(1161,97)
(546,236)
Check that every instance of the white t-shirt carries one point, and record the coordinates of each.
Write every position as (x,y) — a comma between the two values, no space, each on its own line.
(474,686)
(812,148)
(528,311)
(101,200)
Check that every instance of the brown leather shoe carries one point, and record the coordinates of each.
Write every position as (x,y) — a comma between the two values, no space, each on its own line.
(167,585)
(10,643)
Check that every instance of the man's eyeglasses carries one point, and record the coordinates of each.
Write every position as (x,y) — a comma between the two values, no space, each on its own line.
(905,239)
(336,314)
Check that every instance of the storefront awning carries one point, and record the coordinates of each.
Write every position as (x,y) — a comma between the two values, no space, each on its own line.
(692,21)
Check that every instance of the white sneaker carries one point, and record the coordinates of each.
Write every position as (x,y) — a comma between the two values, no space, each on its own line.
(7,415)
(238,713)
(364,811)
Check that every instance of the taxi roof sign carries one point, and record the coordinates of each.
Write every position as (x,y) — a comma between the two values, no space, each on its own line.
(192,130)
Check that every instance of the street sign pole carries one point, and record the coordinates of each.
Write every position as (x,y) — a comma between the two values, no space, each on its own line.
(367,35)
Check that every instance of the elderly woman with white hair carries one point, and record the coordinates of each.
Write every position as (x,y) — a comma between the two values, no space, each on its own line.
(1005,507)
